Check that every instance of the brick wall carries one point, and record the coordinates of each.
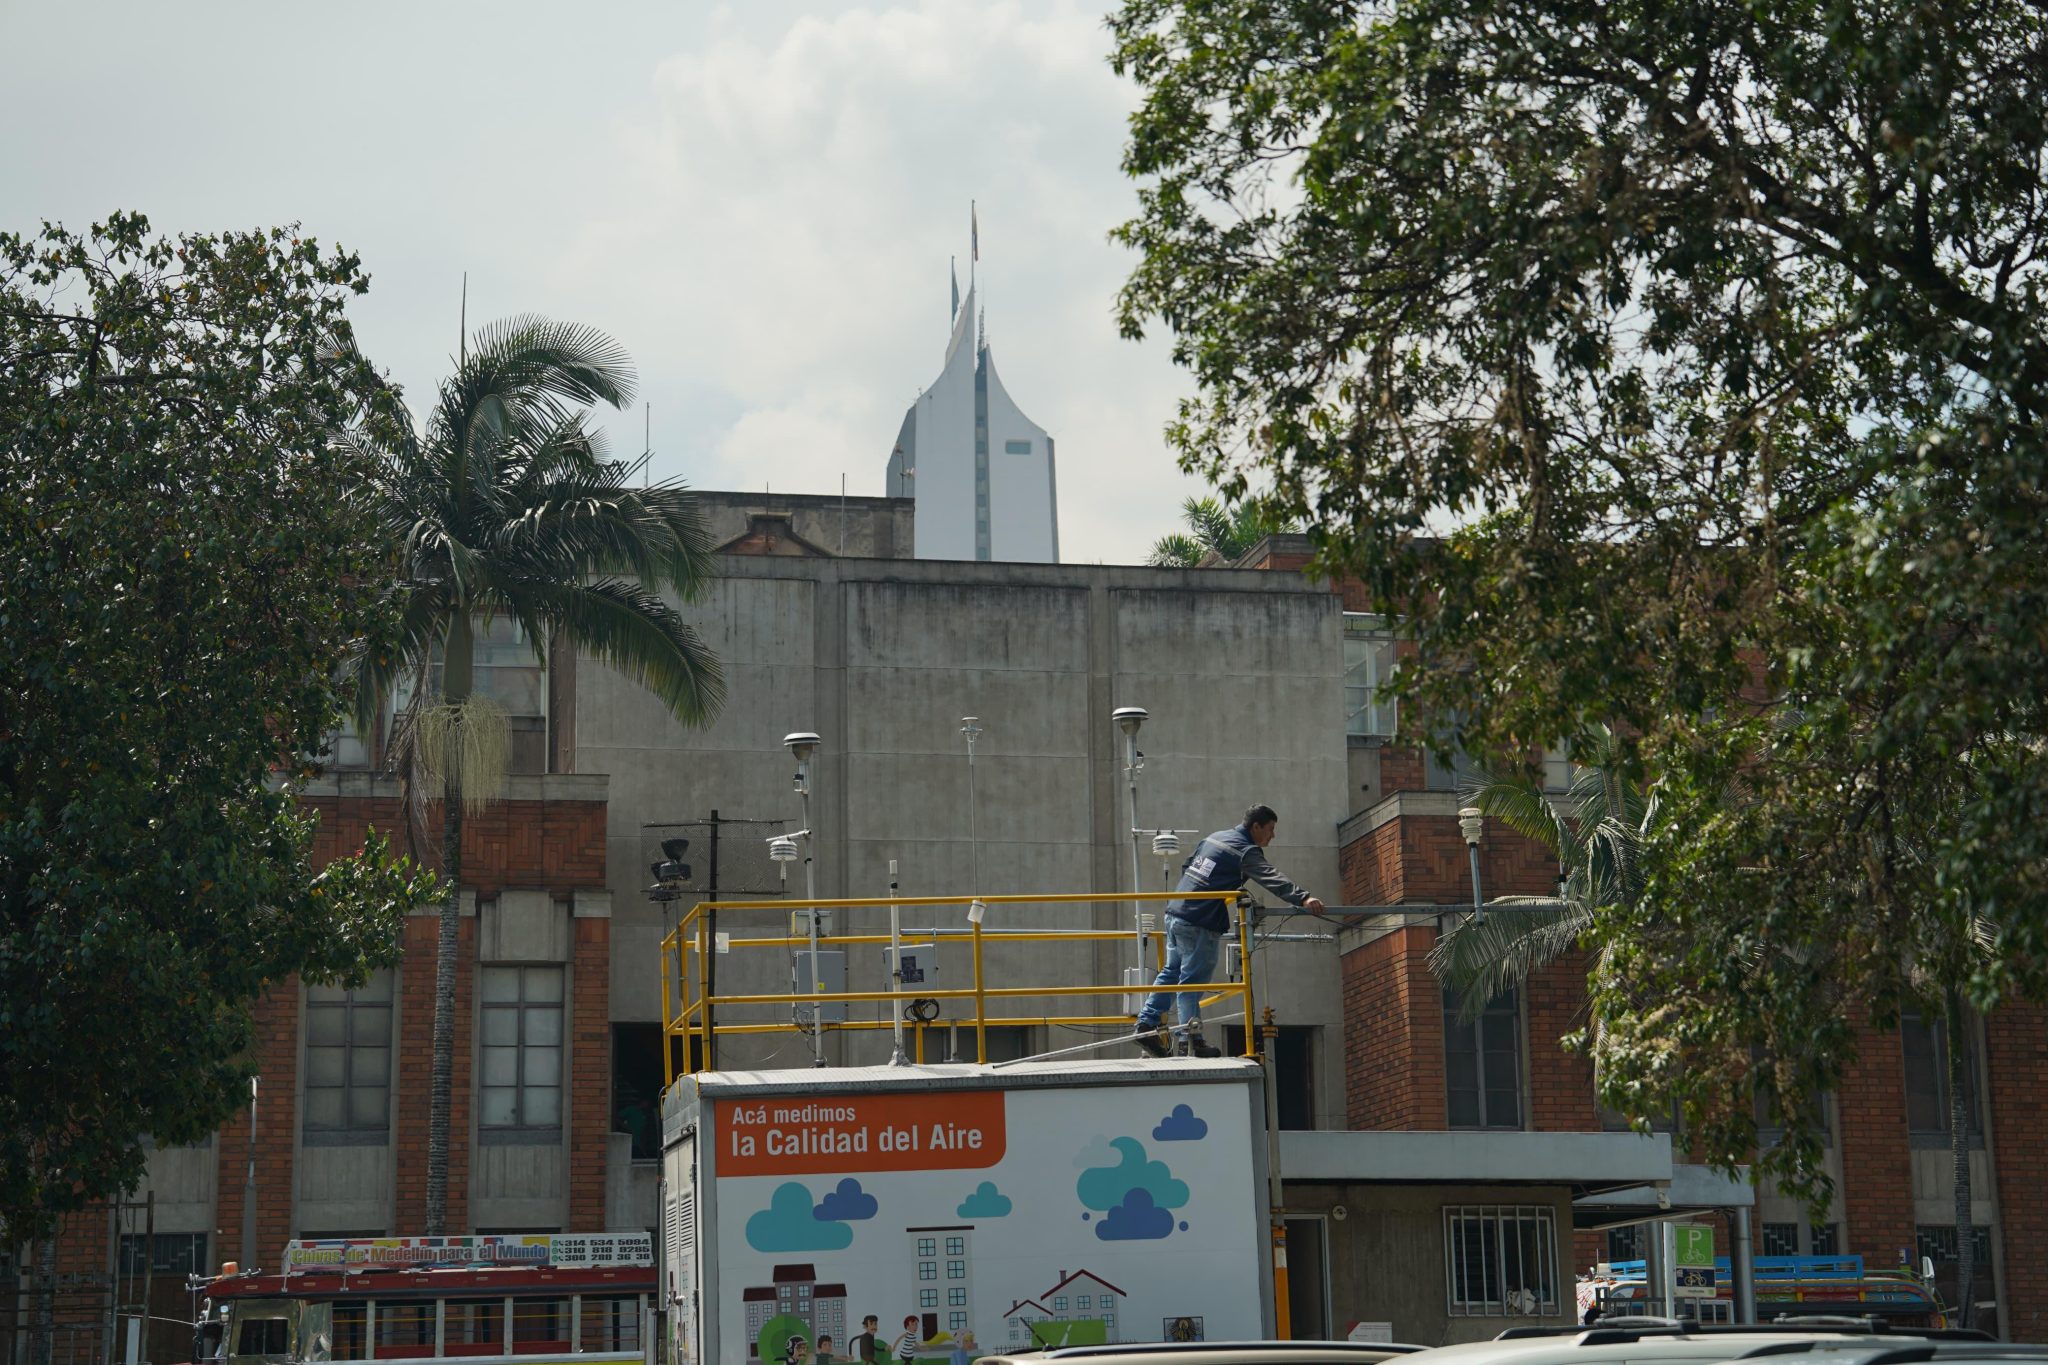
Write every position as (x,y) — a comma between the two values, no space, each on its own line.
(1877,1170)
(1560,1083)
(590,1053)
(1393,1034)
(1370,867)
(2016,1072)
(556,844)
(413,1084)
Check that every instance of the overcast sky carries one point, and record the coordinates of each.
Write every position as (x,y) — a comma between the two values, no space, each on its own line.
(758,200)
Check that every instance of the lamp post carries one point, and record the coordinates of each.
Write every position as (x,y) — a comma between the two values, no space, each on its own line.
(1473,823)
(1128,719)
(803,746)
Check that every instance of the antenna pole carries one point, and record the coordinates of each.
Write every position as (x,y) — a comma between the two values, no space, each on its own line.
(462,343)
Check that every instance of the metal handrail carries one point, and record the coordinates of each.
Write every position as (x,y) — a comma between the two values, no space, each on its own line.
(688,1011)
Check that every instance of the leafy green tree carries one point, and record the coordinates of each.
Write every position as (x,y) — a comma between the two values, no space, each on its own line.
(1708,339)
(179,585)
(1227,534)
(504,506)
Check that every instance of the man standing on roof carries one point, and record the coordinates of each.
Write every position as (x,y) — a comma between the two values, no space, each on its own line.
(1224,861)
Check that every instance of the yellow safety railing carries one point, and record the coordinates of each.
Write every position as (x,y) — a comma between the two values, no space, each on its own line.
(689,1011)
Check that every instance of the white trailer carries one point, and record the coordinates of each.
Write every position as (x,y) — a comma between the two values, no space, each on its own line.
(1048,1202)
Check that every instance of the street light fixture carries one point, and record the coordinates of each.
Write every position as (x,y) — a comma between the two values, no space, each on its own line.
(1128,719)
(803,746)
(1472,821)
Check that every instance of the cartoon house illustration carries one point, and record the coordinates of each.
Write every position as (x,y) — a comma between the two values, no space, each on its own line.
(1083,1295)
(945,1299)
(795,1293)
(1017,1322)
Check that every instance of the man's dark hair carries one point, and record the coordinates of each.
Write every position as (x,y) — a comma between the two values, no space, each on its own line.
(868,1319)
(1259,815)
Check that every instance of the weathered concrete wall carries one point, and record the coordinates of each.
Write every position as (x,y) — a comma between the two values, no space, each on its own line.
(1242,672)
(1387,1255)
(854,528)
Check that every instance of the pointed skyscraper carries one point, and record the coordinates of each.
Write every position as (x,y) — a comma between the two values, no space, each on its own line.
(979,470)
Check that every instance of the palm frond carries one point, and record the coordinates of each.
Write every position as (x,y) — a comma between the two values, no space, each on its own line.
(529,356)
(1483,960)
(1175,551)
(1523,807)
(628,627)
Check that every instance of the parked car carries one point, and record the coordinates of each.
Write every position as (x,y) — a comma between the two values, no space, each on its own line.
(1215,1353)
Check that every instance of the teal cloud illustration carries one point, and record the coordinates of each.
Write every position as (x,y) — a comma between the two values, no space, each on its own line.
(790,1223)
(1098,1152)
(1103,1188)
(986,1202)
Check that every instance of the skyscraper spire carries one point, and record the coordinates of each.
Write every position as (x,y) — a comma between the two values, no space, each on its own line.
(953,269)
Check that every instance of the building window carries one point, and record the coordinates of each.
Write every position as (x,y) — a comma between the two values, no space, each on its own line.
(1483,1064)
(1016,447)
(351,1339)
(172,1253)
(927,1246)
(927,1298)
(540,1322)
(928,1270)
(957,1297)
(1294,1050)
(1109,1326)
(1059,1305)
(1779,1239)
(636,1086)
(1937,1242)
(1927,1096)
(956,1246)
(1826,1239)
(610,1324)
(956,1270)
(1500,1261)
(348,1063)
(1369,713)
(522,1049)
(956,1322)
(1625,1244)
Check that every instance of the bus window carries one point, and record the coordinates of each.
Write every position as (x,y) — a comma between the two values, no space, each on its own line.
(474,1327)
(404,1329)
(611,1324)
(351,1331)
(263,1337)
(540,1325)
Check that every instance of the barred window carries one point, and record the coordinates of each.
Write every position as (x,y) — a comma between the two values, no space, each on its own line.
(348,1063)
(522,1048)
(1780,1239)
(1937,1242)
(1500,1261)
(611,1324)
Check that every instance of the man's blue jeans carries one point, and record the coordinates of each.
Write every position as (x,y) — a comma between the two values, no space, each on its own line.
(1190,959)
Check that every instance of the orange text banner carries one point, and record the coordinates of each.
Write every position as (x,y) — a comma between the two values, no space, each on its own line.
(844,1134)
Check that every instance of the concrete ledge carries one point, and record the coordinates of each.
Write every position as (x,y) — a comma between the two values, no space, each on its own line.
(1606,1159)
(1691,1187)
(522,787)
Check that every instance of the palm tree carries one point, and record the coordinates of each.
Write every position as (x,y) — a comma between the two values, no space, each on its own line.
(505,506)
(1599,847)
(1212,530)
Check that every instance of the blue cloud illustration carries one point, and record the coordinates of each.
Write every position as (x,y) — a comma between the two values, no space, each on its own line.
(789,1223)
(1104,1187)
(849,1203)
(1181,1126)
(1137,1219)
(986,1202)
(1098,1152)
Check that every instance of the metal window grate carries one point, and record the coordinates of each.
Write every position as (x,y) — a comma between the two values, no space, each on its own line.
(1500,1260)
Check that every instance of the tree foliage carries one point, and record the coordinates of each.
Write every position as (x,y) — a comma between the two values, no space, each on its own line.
(179,585)
(1681,367)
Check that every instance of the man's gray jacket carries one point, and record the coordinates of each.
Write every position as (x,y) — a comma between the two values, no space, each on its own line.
(1225,861)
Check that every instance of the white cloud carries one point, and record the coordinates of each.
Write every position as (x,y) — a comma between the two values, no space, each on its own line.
(788,203)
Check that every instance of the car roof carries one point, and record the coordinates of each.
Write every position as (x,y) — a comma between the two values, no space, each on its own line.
(1605,1344)
(1217,1353)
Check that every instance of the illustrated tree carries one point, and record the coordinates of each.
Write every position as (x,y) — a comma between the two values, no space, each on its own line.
(503,505)
(180,583)
(1680,368)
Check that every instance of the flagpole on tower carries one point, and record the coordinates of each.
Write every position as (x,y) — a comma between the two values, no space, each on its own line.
(973,241)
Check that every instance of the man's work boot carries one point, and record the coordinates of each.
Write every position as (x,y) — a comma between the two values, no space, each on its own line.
(1148,1040)
(1198,1046)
